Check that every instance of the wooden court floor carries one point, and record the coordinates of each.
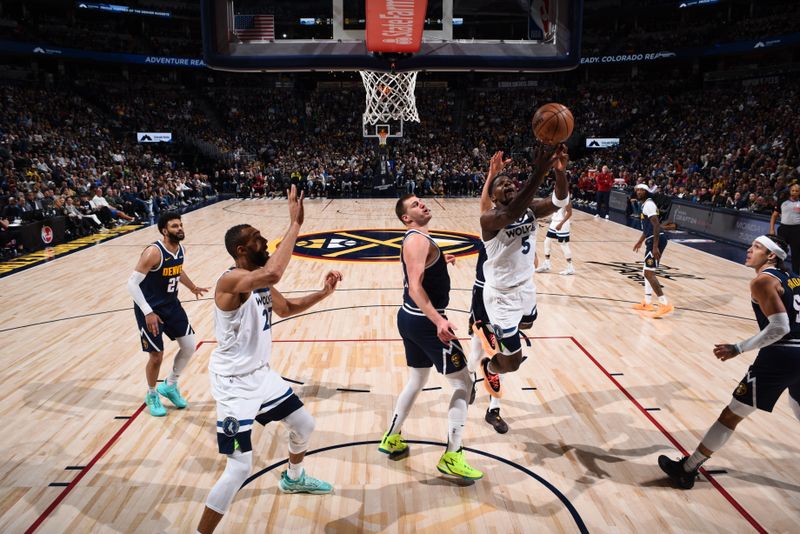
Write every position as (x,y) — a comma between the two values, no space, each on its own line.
(604,392)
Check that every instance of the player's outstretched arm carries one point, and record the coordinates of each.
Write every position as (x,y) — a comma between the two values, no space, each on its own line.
(245,281)
(548,206)
(287,307)
(196,290)
(501,216)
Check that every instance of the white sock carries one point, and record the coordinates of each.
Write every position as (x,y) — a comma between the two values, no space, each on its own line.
(648,292)
(457,414)
(662,299)
(417,377)
(494,402)
(694,461)
(151,391)
(295,470)
(547,249)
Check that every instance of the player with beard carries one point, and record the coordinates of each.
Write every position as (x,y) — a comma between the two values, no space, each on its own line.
(243,383)
(154,288)
(508,232)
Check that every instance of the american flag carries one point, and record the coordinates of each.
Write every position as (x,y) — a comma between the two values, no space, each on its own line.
(254,27)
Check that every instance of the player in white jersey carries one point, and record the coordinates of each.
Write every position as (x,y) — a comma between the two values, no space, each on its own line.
(559,230)
(246,388)
(508,231)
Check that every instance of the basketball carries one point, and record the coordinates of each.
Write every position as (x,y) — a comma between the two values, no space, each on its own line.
(552,123)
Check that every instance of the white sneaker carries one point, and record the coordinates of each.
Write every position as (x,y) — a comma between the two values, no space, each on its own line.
(545,267)
(596,215)
(606,217)
(569,270)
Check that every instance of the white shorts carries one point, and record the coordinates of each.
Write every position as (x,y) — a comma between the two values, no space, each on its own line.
(506,308)
(262,396)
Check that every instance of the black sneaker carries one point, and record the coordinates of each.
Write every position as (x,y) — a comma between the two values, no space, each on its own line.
(494,419)
(674,469)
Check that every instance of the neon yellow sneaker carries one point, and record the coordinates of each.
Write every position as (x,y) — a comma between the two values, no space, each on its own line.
(454,464)
(395,446)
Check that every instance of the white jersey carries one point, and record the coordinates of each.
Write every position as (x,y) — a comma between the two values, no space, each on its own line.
(557,218)
(244,336)
(509,254)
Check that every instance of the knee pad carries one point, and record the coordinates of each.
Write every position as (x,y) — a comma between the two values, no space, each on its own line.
(741,409)
(236,472)
(301,426)
(187,343)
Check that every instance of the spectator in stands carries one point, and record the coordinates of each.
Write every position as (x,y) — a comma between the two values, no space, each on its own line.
(605,181)
(100,204)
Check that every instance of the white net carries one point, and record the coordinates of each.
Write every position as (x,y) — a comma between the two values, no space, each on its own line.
(390,96)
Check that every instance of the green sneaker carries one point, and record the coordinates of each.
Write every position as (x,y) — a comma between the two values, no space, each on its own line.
(304,484)
(453,463)
(395,446)
(153,402)
(172,393)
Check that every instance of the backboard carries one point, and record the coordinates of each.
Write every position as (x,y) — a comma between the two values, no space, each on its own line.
(327,35)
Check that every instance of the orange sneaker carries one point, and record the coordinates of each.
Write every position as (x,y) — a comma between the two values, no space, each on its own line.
(644,306)
(491,380)
(663,309)
(487,337)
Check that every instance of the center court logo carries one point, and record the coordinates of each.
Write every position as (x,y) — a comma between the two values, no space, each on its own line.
(373,245)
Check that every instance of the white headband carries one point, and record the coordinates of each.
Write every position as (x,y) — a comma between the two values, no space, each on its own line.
(772,246)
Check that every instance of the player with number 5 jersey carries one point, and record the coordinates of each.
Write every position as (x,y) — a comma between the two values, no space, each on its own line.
(508,232)
(154,288)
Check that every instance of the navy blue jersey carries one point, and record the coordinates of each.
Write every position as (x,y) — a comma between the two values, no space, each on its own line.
(435,282)
(160,285)
(790,298)
(479,279)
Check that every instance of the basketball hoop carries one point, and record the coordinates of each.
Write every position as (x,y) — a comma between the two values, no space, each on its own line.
(383,135)
(390,96)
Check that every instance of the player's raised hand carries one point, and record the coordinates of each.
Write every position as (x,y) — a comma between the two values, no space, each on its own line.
(544,156)
(497,164)
(725,351)
(332,278)
(562,158)
(296,212)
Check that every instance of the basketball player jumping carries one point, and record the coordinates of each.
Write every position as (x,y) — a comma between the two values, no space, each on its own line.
(154,288)
(775,292)
(509,234)
(246,388)
(429,338)
(655,242)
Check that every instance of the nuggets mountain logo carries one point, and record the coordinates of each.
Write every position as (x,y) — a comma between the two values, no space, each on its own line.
(374,245)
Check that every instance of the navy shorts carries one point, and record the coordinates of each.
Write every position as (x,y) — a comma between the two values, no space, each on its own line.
(776,369)
(562,238)
(650,263)
(175,324)
(424,348)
